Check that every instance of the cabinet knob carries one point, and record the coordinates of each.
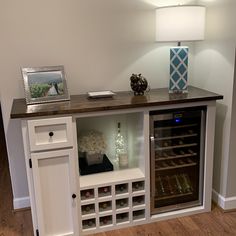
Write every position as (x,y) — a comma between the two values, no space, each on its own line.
(73,196)
(51,134)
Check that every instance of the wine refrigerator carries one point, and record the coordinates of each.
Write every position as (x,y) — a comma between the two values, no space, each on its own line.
(177,140)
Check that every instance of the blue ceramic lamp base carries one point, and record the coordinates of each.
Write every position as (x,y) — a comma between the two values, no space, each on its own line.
(178,70)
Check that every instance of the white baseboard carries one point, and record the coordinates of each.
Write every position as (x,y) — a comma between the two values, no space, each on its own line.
(228,203)
(19,203)
(225,203)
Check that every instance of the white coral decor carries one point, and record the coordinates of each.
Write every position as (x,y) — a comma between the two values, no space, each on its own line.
(92,142)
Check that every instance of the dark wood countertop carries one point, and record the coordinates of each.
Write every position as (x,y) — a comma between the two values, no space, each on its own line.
(122,100)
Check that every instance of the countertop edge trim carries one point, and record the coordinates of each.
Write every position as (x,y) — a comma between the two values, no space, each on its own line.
(110,108)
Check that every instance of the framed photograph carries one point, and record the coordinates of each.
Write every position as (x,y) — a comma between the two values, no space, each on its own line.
(45,84)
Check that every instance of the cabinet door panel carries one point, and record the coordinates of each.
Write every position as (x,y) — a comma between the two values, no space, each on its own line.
(54,182)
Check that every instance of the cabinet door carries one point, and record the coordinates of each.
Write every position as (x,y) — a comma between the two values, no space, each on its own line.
(55,192)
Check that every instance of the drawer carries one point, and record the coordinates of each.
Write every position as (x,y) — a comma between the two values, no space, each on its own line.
(47,134)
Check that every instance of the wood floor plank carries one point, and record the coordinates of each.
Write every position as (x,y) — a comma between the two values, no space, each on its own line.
(178,228)
(227,222)
(163,228)
(189,224)
(207,225)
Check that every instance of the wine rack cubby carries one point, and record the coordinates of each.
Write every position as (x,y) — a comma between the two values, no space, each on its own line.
(138,215)
(105,206)
(138,200)
(138,186)
(122,203)
(104,191)
(110,205)
(89,224)
(88,209)
(122,218)
(105,220)
(87,194)
(121,188)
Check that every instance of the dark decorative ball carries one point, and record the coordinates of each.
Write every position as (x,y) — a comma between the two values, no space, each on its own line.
(138,84)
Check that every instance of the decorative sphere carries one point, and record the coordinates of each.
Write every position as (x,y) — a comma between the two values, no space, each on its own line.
(138,84)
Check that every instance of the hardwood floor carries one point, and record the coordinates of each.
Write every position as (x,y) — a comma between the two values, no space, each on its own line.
(19,223)
(215,223)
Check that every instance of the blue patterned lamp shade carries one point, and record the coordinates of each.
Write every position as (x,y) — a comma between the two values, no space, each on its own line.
(178,70)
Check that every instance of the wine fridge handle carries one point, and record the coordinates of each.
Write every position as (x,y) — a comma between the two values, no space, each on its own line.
(152,167)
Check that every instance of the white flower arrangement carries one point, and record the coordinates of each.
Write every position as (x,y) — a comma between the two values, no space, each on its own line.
(92,142)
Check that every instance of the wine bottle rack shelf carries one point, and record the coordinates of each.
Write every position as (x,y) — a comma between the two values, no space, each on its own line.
(114,204)
(161,148)
(175,166)
(173,185)
(173,196)
(171,157)
(175,127)
(176,137)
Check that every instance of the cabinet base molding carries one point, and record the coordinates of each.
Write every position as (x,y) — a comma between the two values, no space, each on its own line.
(21,203)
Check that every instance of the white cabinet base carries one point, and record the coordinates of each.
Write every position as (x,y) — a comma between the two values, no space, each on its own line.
(104,201)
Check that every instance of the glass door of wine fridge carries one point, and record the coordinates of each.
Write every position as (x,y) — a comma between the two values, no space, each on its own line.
(177,158)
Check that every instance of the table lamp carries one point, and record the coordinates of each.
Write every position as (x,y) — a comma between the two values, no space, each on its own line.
(177,24)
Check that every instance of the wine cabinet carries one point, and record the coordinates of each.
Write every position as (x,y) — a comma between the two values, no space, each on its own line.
(177,158)
(164,169)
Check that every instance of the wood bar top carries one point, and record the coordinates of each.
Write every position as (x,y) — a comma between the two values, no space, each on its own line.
(122,100)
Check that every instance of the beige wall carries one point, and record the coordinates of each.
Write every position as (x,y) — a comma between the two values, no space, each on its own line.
(100,43)
(214,62)
(231,188)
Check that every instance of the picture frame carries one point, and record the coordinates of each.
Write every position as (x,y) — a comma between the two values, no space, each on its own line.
(45,84)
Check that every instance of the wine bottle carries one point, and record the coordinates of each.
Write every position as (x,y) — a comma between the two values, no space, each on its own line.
(87,209)
(87,194)
(136,186)
(182,152)
(160,184)
(179,187)
(119,142)
(104,205)
(170,187)
(186,183)
(121,155)
(90,223)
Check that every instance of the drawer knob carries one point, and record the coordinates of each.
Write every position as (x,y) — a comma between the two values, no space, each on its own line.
(73,196)
(51,134)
